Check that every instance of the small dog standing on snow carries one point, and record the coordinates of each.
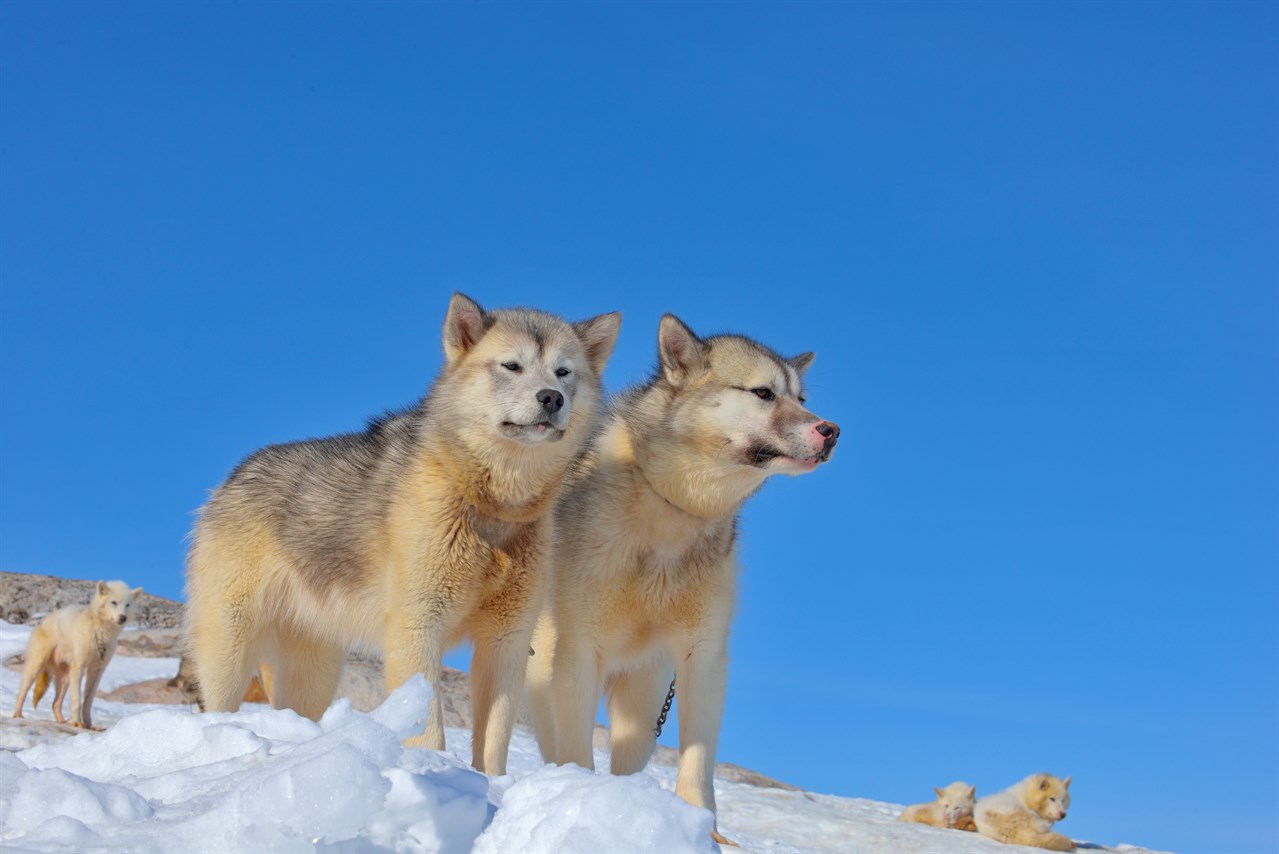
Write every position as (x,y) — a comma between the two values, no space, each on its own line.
(74,644)
(952,809)
(1024,814)
(645,572)
(431,526)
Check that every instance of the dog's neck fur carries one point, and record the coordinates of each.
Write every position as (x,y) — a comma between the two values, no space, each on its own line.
(511,484)
(682,475)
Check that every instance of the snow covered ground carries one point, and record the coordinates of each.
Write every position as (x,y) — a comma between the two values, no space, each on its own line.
(164,779)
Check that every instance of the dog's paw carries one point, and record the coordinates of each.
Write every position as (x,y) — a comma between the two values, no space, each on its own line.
(723,840)
(423,741)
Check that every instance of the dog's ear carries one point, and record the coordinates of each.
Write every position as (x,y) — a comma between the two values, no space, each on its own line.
(801,362)
(972,791)
(1043,783)
(1066,782)
(937,790)
(599,335)
(464,326)
(102,588)
(136,592)
(681,353)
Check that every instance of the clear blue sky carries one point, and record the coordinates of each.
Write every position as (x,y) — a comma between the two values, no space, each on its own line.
(1034,246)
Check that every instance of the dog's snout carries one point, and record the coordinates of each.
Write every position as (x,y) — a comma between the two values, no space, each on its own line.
(828,431)
(121,619)
(552,401)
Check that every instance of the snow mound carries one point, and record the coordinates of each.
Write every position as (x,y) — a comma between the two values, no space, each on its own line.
(259,780)
(568,809)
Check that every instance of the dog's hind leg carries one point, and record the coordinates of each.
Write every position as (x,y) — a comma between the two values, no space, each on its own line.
(537,683)
(306,673)
(225,648)
(60,682)
(38,651)
(635,699)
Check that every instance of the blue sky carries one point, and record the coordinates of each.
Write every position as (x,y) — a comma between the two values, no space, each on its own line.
(1033,245)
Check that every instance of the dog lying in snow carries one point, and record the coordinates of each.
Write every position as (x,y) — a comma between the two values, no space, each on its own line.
(1024,814)
(952,809)
(73,645)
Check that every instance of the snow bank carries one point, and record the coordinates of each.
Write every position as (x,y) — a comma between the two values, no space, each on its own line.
(165,779)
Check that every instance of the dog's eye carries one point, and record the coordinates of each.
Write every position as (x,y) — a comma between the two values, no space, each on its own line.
(803,399)
(512,366)
(763,393)
(562,372)
(113,602)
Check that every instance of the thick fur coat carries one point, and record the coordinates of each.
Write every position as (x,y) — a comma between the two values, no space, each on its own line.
(431,526)
(645,572)
(1023,814)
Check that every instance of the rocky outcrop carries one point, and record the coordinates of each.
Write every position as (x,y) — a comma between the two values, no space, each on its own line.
(25,598)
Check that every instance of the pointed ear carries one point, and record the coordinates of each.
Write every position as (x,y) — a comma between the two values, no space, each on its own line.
(1066,782)
(464,326)
(679,351)
(102,588)
(972,791)
(801,362)
(599,335)
(1043,784)
(937,790)
(135,592)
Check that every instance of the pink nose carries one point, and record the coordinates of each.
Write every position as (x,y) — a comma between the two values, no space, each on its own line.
(827,433)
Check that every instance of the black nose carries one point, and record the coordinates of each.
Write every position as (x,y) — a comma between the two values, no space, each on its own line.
(121,619)
(828,431)
(551,400)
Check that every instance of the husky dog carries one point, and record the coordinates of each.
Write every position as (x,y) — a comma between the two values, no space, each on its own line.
(953,808)
(644,569)
(1024,814)
(74,644)
(430,526)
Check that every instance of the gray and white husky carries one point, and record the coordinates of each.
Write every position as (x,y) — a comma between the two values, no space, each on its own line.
(432,525)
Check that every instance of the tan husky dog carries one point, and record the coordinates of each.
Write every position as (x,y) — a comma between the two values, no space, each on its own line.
(644,569)
(430,526)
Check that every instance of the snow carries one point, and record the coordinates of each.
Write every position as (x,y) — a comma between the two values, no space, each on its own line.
(166,779)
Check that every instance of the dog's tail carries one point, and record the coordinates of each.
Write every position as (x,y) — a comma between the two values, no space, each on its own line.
(42,685)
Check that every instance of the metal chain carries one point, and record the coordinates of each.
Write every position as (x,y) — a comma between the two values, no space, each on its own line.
(666,708)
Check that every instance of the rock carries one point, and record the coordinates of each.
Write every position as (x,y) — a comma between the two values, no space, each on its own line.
(26,598)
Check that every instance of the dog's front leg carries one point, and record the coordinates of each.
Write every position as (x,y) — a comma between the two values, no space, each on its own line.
(415,644)
(76,676)
(497,684)
(92,677)
(702,679)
